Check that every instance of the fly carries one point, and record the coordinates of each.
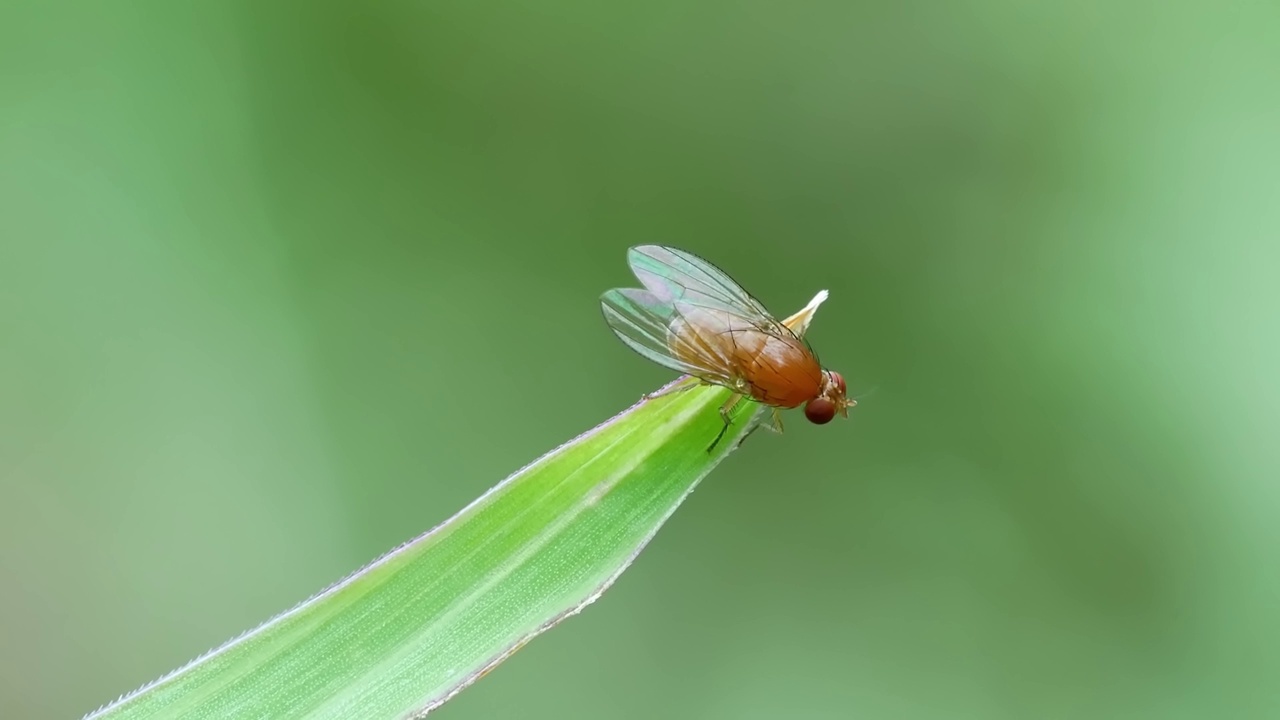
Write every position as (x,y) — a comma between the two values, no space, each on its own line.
(693,318)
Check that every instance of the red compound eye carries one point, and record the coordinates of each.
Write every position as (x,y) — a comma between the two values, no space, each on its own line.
(820,411)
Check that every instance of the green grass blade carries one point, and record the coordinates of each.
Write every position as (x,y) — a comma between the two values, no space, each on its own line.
(414,628)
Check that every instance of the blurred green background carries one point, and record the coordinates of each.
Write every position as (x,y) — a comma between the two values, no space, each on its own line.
(285,284)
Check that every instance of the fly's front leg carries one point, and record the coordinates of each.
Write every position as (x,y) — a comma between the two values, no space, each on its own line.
(777,421)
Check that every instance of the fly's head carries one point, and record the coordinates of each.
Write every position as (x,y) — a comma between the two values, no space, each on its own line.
(831,400)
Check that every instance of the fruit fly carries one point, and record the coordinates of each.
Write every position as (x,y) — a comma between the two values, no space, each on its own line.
(693,318)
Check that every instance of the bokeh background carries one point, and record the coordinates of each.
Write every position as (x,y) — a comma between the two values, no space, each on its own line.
(285,284)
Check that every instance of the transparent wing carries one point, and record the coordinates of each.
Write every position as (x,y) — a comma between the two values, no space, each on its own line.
(683,279)
(679,287)
(642,321)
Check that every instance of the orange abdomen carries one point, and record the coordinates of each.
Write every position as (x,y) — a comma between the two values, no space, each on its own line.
(778,371)
(782,373)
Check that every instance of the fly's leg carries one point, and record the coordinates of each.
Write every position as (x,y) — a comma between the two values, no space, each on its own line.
(748,434)
(725,411)
(681,386)
(777,421)
(728,407)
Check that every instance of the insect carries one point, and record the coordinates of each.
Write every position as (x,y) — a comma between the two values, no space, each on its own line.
(693,318)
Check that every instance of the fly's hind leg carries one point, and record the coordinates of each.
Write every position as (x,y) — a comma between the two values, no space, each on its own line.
(725,415)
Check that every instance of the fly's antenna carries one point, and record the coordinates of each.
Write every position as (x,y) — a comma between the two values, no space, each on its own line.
(864,394)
